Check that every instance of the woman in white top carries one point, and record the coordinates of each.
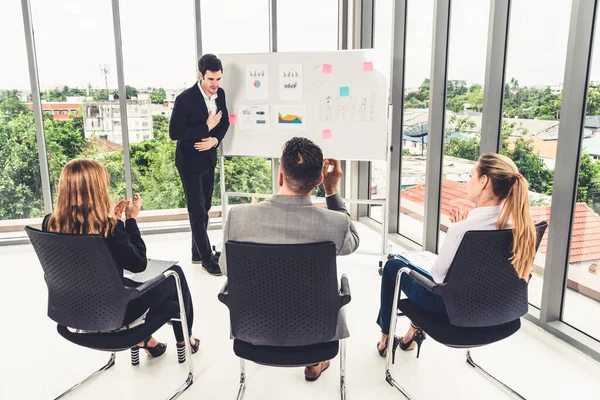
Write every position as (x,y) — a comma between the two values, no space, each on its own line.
(500,193)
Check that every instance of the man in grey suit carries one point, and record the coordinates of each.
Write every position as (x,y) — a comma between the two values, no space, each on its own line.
(290,216)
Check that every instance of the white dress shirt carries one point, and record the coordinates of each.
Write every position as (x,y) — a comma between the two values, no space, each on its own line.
(211,104)
(479,219)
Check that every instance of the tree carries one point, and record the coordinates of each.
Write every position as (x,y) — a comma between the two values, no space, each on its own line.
(588,188)
(130,92)
(158,96)
(160,127)
(245,175)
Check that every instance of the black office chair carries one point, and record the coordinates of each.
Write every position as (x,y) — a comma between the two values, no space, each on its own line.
(285,305)
(86,292)
(484,297)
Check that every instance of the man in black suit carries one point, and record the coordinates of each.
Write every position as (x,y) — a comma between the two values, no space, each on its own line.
(199,122)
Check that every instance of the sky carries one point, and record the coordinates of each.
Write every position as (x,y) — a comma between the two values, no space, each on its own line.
(73,40)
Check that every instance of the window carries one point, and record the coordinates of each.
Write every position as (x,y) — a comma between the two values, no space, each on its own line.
(581,306)
(467,51)
(319,30)
(419,31)
(20,182)
(92,67)
(247,24)
(534,71)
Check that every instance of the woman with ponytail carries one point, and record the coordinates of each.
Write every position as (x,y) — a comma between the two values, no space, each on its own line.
(500,193)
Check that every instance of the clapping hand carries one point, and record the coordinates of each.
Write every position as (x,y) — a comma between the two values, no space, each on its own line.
(458,214)
(331,178)
(119,209)
(133,209)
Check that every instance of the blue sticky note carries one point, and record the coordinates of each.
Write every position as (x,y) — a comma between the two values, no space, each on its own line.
(344,91)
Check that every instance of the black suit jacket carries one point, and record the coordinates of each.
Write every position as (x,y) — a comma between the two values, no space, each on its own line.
(188,126)
(126,246)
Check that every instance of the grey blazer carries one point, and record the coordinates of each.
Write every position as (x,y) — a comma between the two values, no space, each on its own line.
(291,220)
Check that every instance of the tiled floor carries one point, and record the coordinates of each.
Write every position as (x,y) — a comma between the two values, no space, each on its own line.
(39,364)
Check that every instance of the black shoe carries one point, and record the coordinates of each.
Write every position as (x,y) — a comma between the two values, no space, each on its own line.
(216,254)
(181,350)
(196,260)
(212,267)
(154,352)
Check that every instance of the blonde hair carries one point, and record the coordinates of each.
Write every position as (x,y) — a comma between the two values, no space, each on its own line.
(83,204)
(509,185)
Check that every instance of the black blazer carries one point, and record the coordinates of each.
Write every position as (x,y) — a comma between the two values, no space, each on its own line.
(188,126)
(125,244)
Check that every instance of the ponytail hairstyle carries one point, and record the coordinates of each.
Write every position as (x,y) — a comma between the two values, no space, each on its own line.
(83,205)
(509,185)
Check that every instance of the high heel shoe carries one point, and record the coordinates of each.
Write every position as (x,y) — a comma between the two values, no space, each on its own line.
(181,350)
(383,352)
(417,338)
(153,352)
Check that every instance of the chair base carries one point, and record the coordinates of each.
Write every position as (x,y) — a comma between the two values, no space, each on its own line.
(242,385)
(492,378)
(110,363)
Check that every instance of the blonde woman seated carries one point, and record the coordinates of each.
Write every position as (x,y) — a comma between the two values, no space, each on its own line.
(500,193)
(83,206)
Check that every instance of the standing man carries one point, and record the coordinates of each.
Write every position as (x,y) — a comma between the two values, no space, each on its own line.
(199,122)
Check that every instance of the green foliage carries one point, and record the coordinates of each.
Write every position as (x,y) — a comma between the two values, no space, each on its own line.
(158,96)
(61,94)
(130,92)
(245,175)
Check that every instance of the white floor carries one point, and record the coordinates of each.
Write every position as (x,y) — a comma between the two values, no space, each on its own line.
(39,364)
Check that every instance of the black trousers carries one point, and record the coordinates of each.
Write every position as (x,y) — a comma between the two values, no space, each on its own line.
(156,298)
(198,188)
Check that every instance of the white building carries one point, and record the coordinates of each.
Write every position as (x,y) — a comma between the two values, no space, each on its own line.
(103,119)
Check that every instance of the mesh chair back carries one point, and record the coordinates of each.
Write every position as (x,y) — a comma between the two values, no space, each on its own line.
(85,290)
(482,287)
(282,295)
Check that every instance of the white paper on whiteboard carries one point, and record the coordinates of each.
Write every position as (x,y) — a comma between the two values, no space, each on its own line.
(289,117)
(257,82)
(253,117)
(290,82)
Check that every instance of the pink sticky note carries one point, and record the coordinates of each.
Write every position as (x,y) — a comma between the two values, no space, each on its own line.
(232,119)
(367,66)
(327,68)
(326,134)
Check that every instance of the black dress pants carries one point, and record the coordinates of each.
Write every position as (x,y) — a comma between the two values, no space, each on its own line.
(198,188)
(156,298)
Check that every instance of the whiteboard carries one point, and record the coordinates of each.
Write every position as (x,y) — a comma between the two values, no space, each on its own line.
(339,100)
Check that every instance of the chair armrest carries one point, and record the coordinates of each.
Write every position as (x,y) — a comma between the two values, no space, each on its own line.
(146,286)
(222,296)
(427,283)
(345,295)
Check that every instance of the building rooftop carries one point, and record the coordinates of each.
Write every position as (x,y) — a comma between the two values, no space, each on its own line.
(586,227)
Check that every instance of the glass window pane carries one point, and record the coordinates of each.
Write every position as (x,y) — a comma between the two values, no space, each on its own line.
(303,29)
(80,79)
(382,41)
(532,98)
(20,182)
(247,23)
(581,307)
(464,102)
(153,83)
(419,31)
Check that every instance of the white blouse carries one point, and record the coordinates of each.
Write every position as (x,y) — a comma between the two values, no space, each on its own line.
(479,219)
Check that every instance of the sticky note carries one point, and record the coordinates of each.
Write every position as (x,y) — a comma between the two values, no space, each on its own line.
(367,66)
(327,68)
(232,119)
(326,133)
(344,91)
